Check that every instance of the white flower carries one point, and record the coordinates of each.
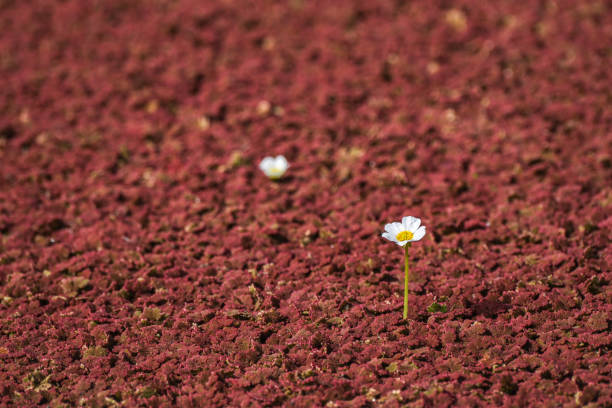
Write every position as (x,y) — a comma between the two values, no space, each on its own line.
(274,167)
(409,230)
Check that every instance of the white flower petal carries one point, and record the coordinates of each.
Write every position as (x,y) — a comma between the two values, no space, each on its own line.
(419,234)
(388,236)
(402,243)
(266,163)
(406,221)
(415,224)
(397,228)
(411,223)
(389,228)
(281,162)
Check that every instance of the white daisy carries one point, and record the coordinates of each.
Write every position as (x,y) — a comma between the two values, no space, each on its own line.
(409,230)
(274,167)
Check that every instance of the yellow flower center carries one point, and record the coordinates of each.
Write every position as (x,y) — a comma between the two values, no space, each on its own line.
(404,236)
(275,172)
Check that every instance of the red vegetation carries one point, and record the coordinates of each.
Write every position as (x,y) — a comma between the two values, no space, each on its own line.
(145,260)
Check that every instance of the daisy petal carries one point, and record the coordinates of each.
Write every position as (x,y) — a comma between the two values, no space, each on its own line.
(398,227)
(388,236)
(419,234)
(281,162)
(389,228)
(406,221)
(393,228)
(266,163)
(411,223)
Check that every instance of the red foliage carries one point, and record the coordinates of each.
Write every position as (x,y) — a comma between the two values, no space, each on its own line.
(145,260)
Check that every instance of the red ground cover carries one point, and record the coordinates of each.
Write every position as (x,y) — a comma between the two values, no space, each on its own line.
(146,261)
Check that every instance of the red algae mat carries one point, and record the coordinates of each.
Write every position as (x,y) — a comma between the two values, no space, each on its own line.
(146,261)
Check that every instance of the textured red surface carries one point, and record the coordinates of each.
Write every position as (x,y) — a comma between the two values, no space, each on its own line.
(145,260)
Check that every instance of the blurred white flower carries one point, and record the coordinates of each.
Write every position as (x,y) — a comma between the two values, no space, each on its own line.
(274,167)
(409,230)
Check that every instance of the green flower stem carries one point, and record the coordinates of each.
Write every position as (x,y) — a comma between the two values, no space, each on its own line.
(406,279)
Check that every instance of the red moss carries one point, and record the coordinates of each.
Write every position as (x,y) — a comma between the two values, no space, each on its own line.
(144,259)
